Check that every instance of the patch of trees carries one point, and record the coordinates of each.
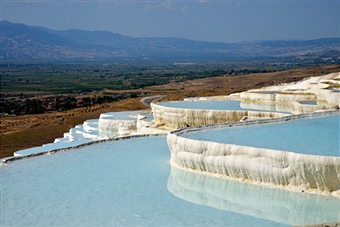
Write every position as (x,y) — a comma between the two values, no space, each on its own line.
(54,103)
(20,107)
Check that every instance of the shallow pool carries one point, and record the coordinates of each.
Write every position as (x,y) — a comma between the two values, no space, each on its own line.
(319,136)
(130,183)
(265,92)
(308,102)
(220,105)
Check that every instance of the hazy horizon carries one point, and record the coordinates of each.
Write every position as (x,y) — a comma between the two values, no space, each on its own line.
(200,20)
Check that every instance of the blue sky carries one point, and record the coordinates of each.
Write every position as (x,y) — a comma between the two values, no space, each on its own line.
(203,20)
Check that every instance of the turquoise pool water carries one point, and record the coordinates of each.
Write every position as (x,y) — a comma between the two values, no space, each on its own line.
(130,183)
(217,105)
(307,102)
(319,136)
(265,92)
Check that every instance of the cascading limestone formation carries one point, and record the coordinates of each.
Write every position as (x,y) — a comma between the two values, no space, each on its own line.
(324,90)
(181,118)
(116,127)
(279,168)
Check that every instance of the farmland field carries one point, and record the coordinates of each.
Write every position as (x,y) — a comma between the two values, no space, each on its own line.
(61,78)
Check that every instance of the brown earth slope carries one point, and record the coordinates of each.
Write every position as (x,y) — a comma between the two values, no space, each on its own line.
(35,130)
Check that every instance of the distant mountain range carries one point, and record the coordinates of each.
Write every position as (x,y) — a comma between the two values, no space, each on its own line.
(23,42)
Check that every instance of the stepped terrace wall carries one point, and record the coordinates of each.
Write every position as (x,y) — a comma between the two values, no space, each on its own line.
(259,165)
(182,118)
(324,90)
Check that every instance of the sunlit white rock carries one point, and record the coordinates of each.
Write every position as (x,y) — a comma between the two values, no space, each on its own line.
(278,168)
(109,127)
(285,97)
(127,123)
(181,118)
(315,88)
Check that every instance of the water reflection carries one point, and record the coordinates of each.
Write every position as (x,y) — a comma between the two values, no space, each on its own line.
(278,205)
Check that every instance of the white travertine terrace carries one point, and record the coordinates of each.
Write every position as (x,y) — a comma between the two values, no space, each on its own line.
(285,97)
(312,173)
(118,127)
(135,125)
(319,89)
(258,165)
(176,118)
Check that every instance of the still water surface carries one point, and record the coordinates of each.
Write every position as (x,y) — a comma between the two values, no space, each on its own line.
(319,136)
(131,183)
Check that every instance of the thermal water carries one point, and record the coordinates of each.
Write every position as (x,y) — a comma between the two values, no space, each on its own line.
(318,136)
(308,102)
(130,183)
(274,204)
(218,105)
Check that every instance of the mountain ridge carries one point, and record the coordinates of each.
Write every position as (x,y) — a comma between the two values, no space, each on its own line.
(23,42)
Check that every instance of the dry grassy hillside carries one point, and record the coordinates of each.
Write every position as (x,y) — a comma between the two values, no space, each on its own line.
(224,84)
(35,130)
